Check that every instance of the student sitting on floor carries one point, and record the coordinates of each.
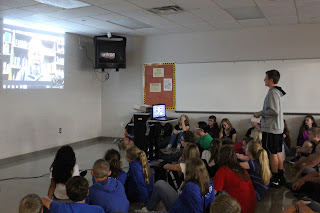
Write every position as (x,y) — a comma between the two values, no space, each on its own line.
(213,128)
(129,130)
(258,168)
(176,170)
(62,169)
(308,164)
(177,133)
(107,192)
(234,180)
(77,190)
(204,139)
(165,131)
(210,157)
(308,147)
(255,123)
(31,203)
(196,192)
(113,157)
(308,123)
(139,183)
(125,143)
(227,131)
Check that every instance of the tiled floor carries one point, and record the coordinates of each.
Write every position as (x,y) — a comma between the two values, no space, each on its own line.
(11,191)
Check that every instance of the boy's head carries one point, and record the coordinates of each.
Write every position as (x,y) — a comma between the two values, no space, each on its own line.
(202,127)
(77,188)
(212,120)
(314,134)
(31,203)
(101,169)
(272,77)
(255,122)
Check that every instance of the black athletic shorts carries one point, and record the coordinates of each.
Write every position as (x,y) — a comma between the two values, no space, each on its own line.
(272,143)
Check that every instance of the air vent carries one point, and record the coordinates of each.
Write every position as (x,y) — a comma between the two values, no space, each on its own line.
(166,10)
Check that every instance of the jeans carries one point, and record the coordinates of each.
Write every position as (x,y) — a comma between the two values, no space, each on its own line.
(162,191)
(174,137)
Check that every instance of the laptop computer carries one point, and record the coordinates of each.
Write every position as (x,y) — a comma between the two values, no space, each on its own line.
(159,112)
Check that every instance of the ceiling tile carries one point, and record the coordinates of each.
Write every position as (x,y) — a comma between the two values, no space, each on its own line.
(152,31)
(278,11)
(208,14)
(151,3)
(273,2)
(191,4)
(78,12)
(41,8)
(234,3)
(254,22)
(120,6)
(41,18)
(17,13)
(283,20)
(100,2)
(226,25)
(184,18)
(202,27)
(4,7)
(18,3)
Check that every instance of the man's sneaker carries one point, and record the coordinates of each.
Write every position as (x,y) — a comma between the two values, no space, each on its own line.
(275,184)
(282,180)
(144,209)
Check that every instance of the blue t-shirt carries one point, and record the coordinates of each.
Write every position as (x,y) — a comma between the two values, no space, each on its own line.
(59,207)
(191,200)
(255,175)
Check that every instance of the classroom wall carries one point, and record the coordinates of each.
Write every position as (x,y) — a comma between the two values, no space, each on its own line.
(280,42)
(30,119)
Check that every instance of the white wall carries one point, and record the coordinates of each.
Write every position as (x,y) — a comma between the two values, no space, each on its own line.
(283,42)
(30,119)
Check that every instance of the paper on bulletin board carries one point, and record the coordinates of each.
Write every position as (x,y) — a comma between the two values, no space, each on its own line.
(167,84)
(158,72)
(155,87)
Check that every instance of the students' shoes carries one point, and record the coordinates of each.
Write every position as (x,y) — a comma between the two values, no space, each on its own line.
(282,180)
(275,183)
(144,209)
(166,150)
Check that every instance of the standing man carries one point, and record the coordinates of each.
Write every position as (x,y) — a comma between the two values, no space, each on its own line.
(272,126)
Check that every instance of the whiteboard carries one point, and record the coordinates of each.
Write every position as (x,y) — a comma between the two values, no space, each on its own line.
(239,86)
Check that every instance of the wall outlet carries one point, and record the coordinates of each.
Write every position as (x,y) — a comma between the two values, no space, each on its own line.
(123,124)
(60,130)
(81,48)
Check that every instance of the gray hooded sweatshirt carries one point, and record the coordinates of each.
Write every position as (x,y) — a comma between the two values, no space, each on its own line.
(272,114)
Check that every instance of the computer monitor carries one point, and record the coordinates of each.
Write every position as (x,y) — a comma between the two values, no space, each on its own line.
(158,110)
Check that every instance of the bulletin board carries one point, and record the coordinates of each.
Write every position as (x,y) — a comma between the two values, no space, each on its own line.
(159,86)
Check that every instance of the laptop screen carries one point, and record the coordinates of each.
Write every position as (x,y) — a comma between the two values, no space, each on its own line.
(158,110)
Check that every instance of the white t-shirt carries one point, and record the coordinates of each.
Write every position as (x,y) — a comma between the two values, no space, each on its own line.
(206,155)
(60,191)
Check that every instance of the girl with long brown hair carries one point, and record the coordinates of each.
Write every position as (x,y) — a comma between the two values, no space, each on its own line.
(139,180)
(234,180)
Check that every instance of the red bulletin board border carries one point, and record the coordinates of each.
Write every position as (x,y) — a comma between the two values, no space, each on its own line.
(165,97)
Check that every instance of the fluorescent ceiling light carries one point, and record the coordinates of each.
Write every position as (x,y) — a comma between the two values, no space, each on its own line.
(65,4)
(243,13)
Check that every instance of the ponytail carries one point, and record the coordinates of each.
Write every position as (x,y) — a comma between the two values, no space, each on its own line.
(259,153)
(145,166)
(264,164)
(133,153)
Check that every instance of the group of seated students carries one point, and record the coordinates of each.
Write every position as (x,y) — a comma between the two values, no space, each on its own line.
(213,174)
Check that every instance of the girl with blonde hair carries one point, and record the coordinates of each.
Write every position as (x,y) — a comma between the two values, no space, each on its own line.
(258,168)
(139,183)
(227,131)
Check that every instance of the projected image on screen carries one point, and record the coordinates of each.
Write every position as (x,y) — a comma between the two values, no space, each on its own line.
(32,59)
